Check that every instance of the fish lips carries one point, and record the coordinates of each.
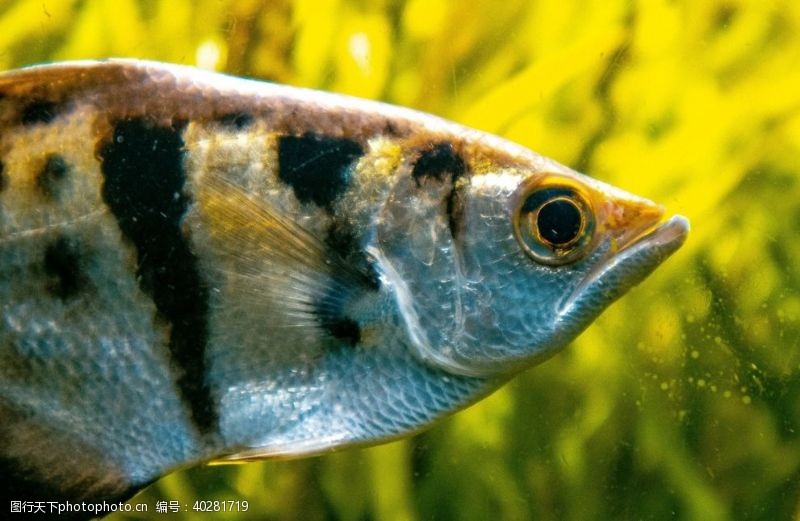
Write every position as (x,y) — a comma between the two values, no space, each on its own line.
(615,273)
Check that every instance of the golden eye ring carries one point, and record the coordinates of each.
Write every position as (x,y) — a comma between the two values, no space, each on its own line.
(554,222)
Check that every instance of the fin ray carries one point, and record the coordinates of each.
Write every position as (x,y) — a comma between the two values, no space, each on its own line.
(272,261)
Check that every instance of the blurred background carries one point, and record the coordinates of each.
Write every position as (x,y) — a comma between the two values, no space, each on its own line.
(683,400)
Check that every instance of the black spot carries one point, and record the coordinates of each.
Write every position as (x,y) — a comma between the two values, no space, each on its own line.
(39,111)
(3,177)
(437,162)
(144,187)
(345,329)
(317,167)
(390,129)
(236,120)
(62,263)
(52,175)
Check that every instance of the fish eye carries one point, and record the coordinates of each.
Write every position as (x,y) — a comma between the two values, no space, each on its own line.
(554,224)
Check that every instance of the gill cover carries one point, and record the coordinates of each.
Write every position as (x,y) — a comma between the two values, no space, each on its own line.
(472,300)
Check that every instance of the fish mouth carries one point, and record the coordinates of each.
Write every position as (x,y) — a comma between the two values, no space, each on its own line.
(631,257)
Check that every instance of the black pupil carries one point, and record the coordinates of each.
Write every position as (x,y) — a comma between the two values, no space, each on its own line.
(559,222)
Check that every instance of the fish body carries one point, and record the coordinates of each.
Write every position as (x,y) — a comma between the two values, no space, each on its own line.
(197,267)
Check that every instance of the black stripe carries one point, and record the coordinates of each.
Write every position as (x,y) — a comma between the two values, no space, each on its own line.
(52,176)
(436,163)
(343,328)
(64,266)
(143,165)
(39,111)
(317,167)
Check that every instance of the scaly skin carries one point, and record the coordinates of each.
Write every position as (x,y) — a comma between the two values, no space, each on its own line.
(195,267)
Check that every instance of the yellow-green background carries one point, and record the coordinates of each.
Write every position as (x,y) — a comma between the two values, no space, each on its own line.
(683,400)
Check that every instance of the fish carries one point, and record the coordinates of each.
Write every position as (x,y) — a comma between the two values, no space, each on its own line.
(197,267)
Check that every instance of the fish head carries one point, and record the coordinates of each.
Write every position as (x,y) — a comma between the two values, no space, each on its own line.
(500,269)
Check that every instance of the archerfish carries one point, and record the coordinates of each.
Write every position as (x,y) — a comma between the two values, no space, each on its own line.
(198,267)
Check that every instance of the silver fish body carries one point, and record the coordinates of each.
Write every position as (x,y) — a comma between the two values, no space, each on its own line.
(198,267)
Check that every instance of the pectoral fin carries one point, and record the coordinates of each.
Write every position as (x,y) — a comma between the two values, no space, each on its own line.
(274,262)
